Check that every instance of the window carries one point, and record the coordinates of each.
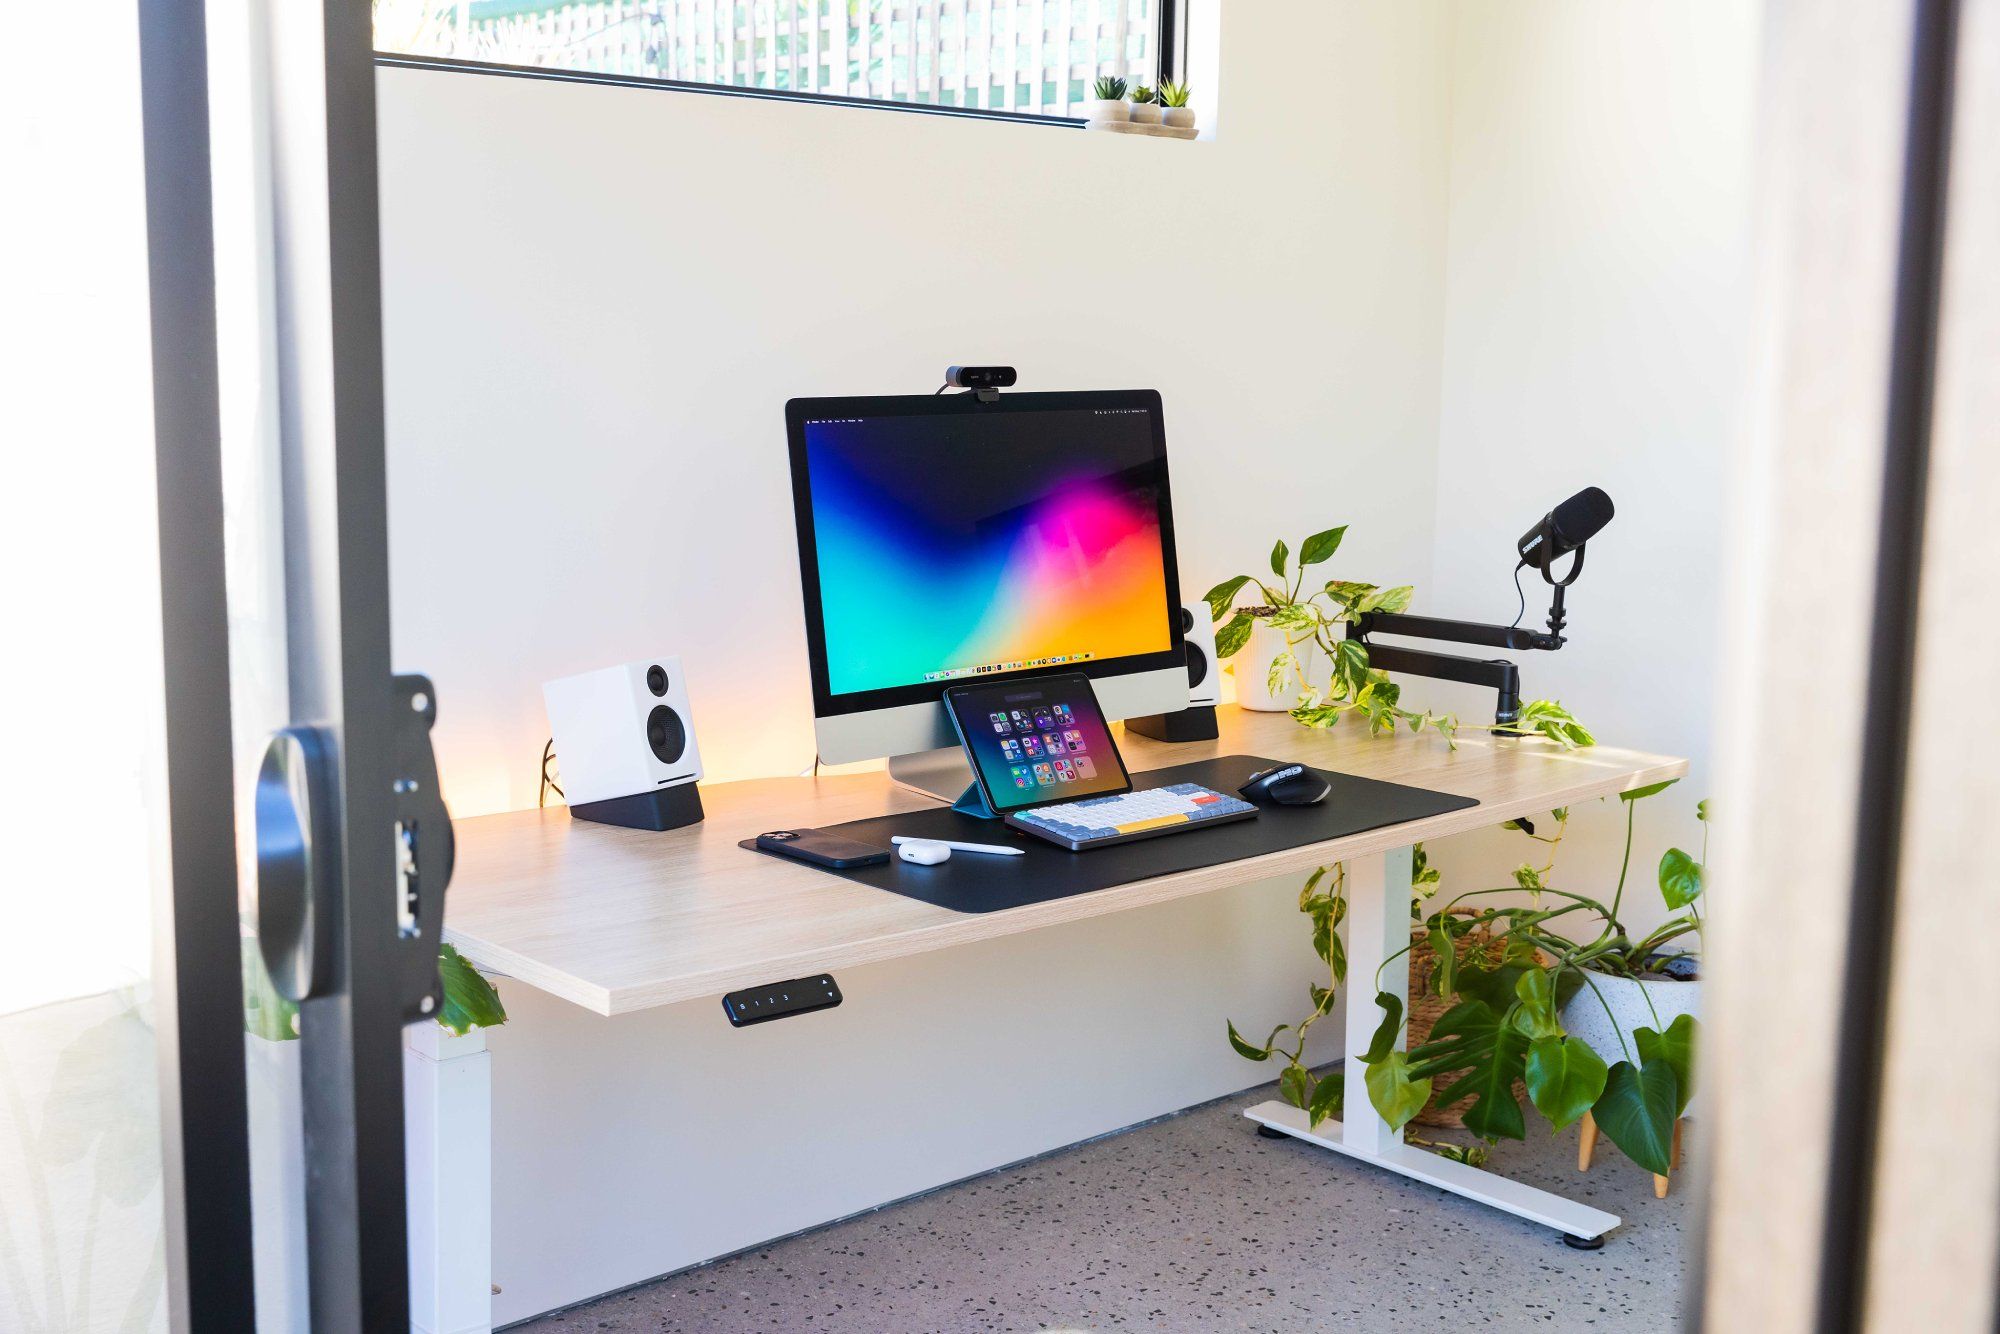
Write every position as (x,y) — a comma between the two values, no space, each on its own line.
(1037,57)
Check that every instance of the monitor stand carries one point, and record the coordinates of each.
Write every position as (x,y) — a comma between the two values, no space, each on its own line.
(939,773)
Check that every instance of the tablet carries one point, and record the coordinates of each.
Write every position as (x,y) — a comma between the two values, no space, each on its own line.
(1037,742)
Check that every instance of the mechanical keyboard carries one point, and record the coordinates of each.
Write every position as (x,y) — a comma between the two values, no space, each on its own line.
(1123,817)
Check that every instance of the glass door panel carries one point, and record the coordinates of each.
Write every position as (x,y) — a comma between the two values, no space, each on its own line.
(82,1200)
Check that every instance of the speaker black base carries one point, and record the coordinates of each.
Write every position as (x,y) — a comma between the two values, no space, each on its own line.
(659,810)
(1190,724)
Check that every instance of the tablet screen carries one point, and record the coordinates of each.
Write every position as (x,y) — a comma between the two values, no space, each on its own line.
(1038,741)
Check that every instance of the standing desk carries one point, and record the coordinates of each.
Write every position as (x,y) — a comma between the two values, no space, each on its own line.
(618,920)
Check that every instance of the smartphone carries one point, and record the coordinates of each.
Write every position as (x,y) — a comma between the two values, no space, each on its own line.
(821,848)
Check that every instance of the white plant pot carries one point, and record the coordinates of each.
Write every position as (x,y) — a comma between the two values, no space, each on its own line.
(277,1184)
(1102,109)
(1145,113)
(1179,117)
(1633,1003)
(1252,665)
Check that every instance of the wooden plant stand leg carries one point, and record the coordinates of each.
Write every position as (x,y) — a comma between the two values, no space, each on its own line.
(1673,1165)
(1587,1145)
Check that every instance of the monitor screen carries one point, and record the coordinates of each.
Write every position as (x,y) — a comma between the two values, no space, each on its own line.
(1037,742)
(944,541)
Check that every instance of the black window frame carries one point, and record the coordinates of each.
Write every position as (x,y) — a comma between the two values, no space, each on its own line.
(1170,66)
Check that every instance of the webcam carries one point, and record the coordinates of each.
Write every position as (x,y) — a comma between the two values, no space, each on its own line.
(980,377)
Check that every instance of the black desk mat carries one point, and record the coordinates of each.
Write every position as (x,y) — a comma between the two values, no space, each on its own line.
(974,883)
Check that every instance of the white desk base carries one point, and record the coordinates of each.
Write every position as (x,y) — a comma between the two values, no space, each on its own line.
(448,1153)
(1378,938)
(449,1096)
(1529,1202)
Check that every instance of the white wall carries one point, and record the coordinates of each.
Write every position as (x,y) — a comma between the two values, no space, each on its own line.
(597,302)
(1594,334)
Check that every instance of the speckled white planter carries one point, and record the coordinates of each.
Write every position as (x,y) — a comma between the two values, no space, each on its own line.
(1252,665)
(1107,109)
(1628,1000)
(1179,117)
(1145,113)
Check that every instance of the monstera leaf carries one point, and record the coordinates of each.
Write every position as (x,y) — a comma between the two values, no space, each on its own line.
(1676,1048)
(1535,1016)
(1564,1078)
(1637,1112)
(1475,1038)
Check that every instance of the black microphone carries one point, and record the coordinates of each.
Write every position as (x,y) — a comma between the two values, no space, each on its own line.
(1565,528)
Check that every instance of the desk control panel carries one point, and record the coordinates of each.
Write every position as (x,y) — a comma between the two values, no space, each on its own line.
(780,1000)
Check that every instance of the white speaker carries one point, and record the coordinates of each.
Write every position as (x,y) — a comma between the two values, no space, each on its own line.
(624,739)
(1204,672)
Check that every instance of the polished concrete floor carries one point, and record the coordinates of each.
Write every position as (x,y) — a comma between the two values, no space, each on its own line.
(1195,1223)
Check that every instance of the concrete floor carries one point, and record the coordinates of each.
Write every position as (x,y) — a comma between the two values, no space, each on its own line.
(1194,1223)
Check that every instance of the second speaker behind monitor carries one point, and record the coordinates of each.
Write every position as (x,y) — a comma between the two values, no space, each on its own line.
(1197,721)
(1204,672)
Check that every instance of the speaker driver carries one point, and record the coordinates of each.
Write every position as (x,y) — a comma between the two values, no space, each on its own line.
(656,679)
(1187,621)
(665,734)
(1197,665)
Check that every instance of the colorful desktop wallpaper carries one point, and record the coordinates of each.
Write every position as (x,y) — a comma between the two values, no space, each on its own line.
(950,544)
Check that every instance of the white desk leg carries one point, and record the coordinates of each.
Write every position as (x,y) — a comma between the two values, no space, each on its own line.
(448,1139)
(1378,925)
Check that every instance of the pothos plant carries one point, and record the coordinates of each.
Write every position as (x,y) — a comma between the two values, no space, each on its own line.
(1310,613)
(469,999)
(1505,1024)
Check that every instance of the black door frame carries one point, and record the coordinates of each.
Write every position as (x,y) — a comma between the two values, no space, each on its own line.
(336,559)
(198,987)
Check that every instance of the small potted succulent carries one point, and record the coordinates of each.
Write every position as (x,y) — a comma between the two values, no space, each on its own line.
(1109,102)
(1174,108)
(1145,106)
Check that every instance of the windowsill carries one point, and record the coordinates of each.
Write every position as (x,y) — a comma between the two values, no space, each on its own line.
(396,60)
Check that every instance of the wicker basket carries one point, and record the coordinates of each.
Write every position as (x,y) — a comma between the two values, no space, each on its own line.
(1426,1008)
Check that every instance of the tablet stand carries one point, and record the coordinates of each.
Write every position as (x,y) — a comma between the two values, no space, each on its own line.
(973,802)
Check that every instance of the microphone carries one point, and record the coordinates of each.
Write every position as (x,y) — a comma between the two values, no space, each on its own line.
(1565,528)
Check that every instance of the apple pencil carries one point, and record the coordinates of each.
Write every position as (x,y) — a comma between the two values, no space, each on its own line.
(993,848)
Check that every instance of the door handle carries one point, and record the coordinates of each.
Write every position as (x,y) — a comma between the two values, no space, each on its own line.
(298,855)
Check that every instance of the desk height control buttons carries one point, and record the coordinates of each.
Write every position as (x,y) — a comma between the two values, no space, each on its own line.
(780,1000)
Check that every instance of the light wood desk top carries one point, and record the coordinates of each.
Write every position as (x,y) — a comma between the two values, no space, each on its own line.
(619,920)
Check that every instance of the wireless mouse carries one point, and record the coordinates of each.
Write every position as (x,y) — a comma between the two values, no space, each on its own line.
(923,852)
(1286,785)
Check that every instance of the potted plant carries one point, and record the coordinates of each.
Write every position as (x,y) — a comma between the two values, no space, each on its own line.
(1312,618)
(1174,108)
(1596,1024)
(1109,102)
(1258,687)
(1145,106)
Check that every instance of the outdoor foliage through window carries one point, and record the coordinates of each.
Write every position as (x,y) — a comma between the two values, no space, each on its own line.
(1034,56)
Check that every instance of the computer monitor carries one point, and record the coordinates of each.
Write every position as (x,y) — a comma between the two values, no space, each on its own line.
(946,539)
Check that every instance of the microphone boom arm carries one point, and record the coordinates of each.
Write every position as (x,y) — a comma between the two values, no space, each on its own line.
(1496,674)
